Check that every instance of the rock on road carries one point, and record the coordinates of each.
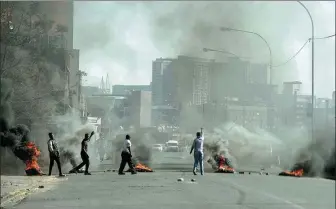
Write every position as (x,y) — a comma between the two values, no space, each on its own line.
(162,190)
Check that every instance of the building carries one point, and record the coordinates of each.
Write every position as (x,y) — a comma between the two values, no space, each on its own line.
(257,73)
(61,12)
(161,76)
(124,90)
(140,108)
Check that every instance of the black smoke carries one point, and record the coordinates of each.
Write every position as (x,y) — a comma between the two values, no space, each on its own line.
(13,137)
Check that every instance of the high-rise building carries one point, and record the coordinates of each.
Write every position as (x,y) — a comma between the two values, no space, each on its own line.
(159,66)
(140,109)
(192,79)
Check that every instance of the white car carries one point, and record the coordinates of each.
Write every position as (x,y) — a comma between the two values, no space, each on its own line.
(157,147)
(172,146)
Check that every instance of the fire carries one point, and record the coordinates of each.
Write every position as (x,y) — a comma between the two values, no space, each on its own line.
(225,169)
(32,167)
(141,168)
(294,173)
(223,165)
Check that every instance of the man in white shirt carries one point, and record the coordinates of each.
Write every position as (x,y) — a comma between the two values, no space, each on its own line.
(197,147)
(126,156)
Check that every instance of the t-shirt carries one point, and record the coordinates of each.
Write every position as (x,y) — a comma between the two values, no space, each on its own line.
(198,144)
(127,144)
(84,145)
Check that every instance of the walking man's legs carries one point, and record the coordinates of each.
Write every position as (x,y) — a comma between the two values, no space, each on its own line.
(58,162)
(123,163)
(196,160)
(51,164)
(130,164)
(200,159)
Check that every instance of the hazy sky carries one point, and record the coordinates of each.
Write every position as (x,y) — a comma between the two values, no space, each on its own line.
(122,38)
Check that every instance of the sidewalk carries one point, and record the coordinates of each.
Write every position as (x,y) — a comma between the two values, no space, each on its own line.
(16,188)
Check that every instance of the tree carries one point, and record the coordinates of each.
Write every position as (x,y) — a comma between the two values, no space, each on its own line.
(36,69)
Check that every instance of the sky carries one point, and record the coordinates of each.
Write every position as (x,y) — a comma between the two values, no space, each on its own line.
(123,38)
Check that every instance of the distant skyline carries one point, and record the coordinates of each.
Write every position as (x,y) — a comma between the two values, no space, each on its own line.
(123,38)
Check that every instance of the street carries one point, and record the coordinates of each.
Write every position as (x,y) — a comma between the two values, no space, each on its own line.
(162,190)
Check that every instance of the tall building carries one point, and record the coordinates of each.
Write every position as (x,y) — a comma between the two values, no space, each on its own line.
(160,80)
(192,80)
(140,108)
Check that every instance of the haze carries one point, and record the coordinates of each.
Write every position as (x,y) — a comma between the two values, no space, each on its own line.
(122,38)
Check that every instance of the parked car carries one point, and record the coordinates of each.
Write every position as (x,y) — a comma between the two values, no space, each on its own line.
(172,146)
(157,147)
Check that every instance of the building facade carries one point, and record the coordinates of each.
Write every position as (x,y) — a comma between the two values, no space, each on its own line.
(124,90)
(140,109)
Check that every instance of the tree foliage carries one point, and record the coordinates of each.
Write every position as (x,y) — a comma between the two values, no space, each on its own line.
(37,69)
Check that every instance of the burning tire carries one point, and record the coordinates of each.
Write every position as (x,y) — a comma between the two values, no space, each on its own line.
(141,168)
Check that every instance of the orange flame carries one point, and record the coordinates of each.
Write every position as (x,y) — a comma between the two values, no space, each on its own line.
(223,167)
(32,167)
(295,173)
(142,168)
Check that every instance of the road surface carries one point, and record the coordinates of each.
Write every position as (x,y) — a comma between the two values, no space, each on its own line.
(162,190)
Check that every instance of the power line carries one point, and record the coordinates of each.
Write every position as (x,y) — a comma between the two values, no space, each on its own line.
(308,41)
(294,54)
(326,37)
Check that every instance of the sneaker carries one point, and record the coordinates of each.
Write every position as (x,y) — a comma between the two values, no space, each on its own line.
(87,173)
(134,172)
(62,175)
(194,172)
(121,173)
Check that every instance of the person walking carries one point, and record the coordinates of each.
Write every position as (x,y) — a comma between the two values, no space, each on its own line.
(126,156)
(54,155)
(197,147)
(84,154)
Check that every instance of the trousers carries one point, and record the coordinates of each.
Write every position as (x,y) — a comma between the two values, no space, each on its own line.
(54,158)
(198,159)
(126,158)
(86,162)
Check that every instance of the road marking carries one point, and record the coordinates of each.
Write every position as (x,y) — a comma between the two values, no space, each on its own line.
(268,195)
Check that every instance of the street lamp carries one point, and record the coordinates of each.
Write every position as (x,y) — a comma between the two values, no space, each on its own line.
(226,29)
(312,68)
(222,51)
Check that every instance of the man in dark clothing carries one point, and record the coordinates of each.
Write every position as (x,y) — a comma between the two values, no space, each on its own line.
(84,154)
(54,154)
(126,156)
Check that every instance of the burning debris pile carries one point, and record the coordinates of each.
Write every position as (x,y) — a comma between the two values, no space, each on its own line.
(317,159)
(218,158)
(16,138)
(143,154)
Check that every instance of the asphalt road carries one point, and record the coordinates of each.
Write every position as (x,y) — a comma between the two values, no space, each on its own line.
(162,190)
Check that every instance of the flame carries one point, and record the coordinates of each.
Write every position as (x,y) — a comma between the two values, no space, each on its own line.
(141,168)
(223,167)
(295,173)
(32,167)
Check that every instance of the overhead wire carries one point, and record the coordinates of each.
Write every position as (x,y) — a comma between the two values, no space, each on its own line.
(298,52)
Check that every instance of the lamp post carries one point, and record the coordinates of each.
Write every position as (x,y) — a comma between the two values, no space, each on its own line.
(312,70)
(224,29)
(222,51)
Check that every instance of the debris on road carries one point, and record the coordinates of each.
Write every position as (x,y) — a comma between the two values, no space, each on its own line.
(16,188)
(180,179)
(193,180)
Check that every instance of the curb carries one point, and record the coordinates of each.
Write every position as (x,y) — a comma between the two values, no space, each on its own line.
(13,198)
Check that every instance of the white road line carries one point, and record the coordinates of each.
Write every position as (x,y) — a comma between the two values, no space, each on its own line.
(268,195)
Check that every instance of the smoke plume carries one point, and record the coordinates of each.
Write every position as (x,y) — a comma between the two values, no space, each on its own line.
(13,137)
